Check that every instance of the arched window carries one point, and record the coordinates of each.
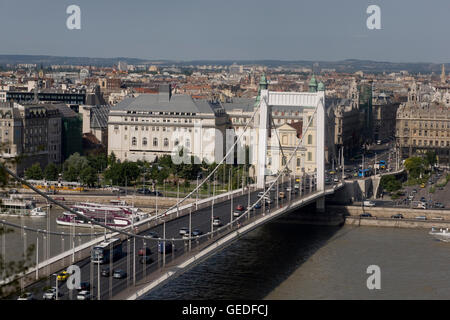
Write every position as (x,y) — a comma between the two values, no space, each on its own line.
(166,142)
(155,142)
(133,141)
(144,141)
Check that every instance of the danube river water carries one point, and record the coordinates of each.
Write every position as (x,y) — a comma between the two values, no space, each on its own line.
(285,260)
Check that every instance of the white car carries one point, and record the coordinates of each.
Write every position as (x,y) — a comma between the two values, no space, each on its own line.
(236,213)
(369,204)
(50,294)
(84,295)
(217,222)
(183,231)
(26,296)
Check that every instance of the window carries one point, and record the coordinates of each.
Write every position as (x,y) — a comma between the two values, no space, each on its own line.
(144,141)
(309,139)
(309,156)
(188,142)
(155,142)
(166,142)
(298,162)
(133,141)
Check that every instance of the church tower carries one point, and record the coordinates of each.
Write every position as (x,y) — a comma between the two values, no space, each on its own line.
(443,74)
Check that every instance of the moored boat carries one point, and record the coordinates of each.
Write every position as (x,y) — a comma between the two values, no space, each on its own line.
(441,234)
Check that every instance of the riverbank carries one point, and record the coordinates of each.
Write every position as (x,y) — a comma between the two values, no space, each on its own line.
(381,217)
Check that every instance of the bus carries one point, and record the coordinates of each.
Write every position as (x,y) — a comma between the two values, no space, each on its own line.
(382,164)
(55,185)
(102,252)
(365,172)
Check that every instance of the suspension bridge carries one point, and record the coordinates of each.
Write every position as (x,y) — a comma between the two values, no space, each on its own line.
(208,224)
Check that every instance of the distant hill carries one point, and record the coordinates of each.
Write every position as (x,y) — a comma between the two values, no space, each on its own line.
(349,65)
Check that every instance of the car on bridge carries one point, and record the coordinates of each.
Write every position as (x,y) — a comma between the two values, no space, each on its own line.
(240,207)
(63,276)
(119,274)
(26,296)
(145,251)
(50,294)
(197,232)
(153,235)
(84,286)
(217,222)
(168,247)
(397,216)
(105,272)
(145,260)
(281,195)
(237,213)
(183,230)
(369,203)
(84,295)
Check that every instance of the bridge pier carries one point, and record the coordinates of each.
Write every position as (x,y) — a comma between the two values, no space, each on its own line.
(320,205)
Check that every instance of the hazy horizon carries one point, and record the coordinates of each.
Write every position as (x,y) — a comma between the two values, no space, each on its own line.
(412,31)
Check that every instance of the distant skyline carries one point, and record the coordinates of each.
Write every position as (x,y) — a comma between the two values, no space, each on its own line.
(412,30)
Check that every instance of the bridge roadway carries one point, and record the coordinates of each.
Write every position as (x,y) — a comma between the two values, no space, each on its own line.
(201,220)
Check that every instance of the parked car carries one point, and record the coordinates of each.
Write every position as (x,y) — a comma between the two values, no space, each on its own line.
(437,218)
(397,216)
(421,218)
(84,295)
(119,274)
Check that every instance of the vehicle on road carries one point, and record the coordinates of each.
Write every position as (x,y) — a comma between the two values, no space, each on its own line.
(437,218)
(50,294)
(260,194)
(369,203)
(421,205)
(144,251)
(281,195)
(145,260)
(105,272)
(84,295)
(268,201)
(421,218)
(119,274)
(397,216)
(153,235)
(237,213)
(439,205)
(422,185)
(26,296)
(217,222)
(63,276)
(168,247)
(365,215)
(197,232)
(183,230)
(84,286)
(240,207)
(102,252)
(258,205)
(411,197)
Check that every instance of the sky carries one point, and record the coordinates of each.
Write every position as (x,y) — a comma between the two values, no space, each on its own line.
(320,30)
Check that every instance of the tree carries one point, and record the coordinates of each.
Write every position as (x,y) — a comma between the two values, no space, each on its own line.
(415,166)
(390,183)
(88,176)
(51,172)
(34,172)
(430,159)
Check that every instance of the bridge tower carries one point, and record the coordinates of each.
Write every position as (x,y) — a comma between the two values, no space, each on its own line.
(305,102)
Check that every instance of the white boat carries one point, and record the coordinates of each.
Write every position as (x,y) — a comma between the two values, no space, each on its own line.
(14,206)
(441,234)
(39,212)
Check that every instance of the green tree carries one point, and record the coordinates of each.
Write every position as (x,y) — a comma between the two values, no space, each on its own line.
(415,166)
(51,172)
(390,183)
(34,172)
(430,159)
(88,176)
